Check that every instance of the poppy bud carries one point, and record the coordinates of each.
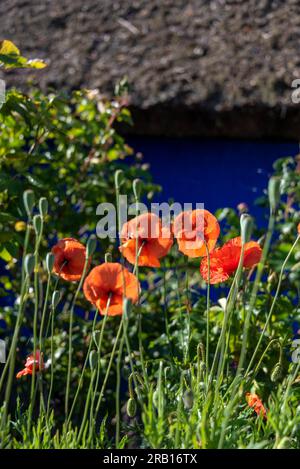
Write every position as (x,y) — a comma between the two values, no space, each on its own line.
(119,178)
(29,263)
(276,373)
(137,188)
(43,206)
(28,199)
(202,369)
(188,400)
(93,359)
(37,224)
(55,298)
(131,407)
(201,352)
(91,246)
(50,262)
(107,257)
(127,307)
(274,193)
(246,227)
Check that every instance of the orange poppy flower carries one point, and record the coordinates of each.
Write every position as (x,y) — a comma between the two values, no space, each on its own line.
(110,280)
(225,260)
(298,228)
(37,364)
(69,259)
(256,404)
(195,228)
(146,235)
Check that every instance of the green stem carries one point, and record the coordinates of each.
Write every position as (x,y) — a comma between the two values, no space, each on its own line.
(52,363)
(272,306)
(227,315)
(118,386)
(254,291)
(99,347)
(11,359)
(71,337)
(35,321)
(83,370)
(207,315)
(108,369)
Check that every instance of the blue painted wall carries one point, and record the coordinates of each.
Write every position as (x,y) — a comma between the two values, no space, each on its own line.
(219,173)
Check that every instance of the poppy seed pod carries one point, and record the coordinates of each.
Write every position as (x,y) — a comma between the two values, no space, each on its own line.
(274,193)
(137,188)
(131,407)
(276,372)
(93,359)
(28,199)
(55,298)
(119,178)
(91,246)
(188,400)
(50,262)
(246,222)
(37,224)
(43,206)
(29,263)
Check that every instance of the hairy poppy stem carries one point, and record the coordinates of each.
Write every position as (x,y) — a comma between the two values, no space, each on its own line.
(228,313)
(207,316)
(23,282)
(11,359)
(108,369)
(118,386)
(39,233)
(83,370)
(260,269)
(52,364)
(229,304)
(71,336)
(273,305)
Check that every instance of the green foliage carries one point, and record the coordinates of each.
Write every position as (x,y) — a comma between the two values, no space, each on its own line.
(10,57)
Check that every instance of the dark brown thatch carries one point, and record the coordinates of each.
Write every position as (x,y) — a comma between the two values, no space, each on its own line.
(196,67)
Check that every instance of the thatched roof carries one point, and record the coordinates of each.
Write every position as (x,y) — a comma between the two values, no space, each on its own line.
(196,67)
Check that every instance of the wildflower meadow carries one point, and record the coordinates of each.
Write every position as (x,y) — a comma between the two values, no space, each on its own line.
(181,332)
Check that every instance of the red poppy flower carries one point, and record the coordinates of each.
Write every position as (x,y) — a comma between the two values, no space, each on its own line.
(194,229)
(69,259)
(146,235)
(256,404)
(37,364)
(225,260)
(110,280)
